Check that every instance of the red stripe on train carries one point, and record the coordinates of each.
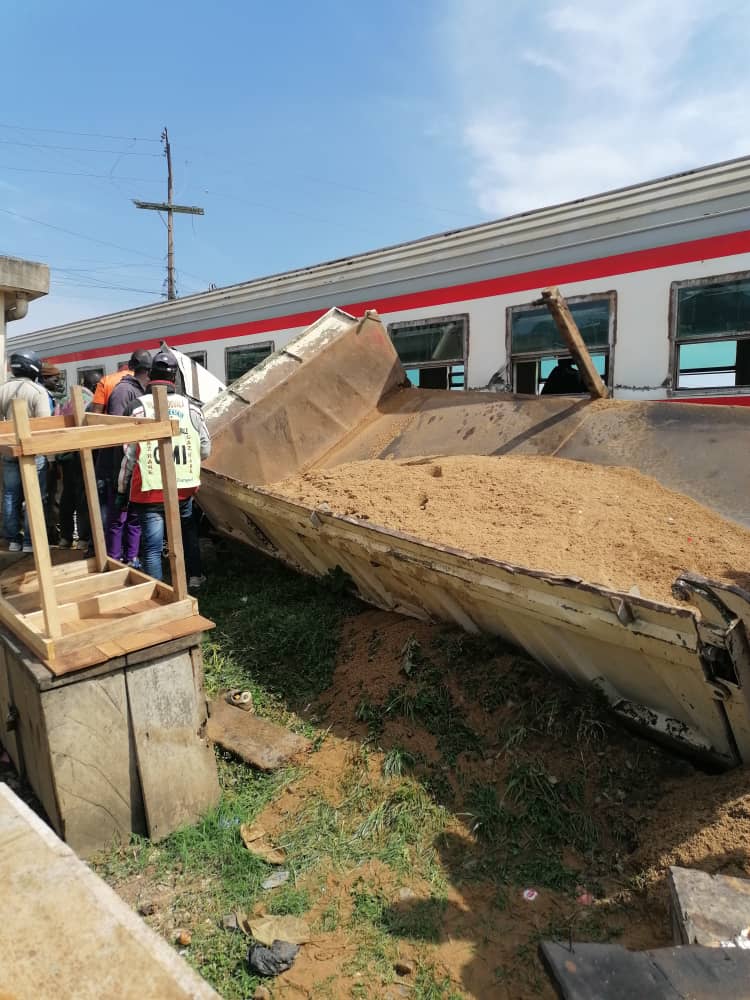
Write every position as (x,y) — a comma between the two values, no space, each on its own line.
(624,263)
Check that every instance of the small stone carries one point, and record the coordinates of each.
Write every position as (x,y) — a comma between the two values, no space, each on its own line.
(404,967)
(146,908)
(262,994)
(436,471)
(184,938)
(406,893)
(229,922)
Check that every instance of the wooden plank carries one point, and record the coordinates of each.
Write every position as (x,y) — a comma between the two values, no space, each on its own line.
(171,501)
(37,524)
(93,762)
(138,644)
(708,909)
(257,741)
(92,419)
(50,442)
(33,736)
(89,482)
(177,768)
(8,738)
(38,644)
(158,614)
(570,333)
(98,604)
(73,590)
(23,581)
(37,424)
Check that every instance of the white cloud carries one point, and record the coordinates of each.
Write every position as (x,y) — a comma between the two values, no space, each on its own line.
(559,100)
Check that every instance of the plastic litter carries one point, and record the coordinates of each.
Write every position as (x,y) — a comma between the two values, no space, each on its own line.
(530,895)
(266,930)
(274,960)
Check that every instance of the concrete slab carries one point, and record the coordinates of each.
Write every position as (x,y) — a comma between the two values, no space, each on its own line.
(24,277)
(65,933)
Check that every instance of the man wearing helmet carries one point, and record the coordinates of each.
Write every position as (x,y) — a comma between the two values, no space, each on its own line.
(140,482)
(26,370)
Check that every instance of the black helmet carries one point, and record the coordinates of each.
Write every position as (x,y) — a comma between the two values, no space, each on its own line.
(164,366)
(26,363)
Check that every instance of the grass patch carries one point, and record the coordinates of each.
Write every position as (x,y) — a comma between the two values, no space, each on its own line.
(277,631)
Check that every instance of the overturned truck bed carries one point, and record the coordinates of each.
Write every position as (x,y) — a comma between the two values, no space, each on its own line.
(679,669)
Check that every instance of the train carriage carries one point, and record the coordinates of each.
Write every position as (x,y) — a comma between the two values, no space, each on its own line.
(657,276)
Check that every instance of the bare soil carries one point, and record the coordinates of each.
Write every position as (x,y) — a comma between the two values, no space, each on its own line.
(651,808)
(610,526)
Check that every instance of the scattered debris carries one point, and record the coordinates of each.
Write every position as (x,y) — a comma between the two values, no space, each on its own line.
(274,960)
(530,895)
(709,909)
(254,837)
(257,741)
(183,938)
(241,699)
(266,930)
(278,878)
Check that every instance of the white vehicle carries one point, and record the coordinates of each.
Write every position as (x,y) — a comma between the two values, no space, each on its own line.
(657,276)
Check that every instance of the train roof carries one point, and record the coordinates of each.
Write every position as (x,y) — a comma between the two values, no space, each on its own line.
(614,212)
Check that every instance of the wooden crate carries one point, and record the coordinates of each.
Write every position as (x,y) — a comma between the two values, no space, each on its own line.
(113,749)
(86,612)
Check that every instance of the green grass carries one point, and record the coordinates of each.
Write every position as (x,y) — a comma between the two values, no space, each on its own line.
(277,631)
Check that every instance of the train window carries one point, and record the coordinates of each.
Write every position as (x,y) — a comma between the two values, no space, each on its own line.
(433,351)
(239,360)
(199,356)
(97,370)
(711,332)
(535,345)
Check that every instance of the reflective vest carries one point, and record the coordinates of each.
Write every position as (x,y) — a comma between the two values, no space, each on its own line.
(147,486)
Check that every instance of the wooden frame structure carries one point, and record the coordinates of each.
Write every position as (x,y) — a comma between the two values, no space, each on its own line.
(90,610)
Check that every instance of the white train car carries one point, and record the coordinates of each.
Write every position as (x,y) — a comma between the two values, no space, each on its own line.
(657,276)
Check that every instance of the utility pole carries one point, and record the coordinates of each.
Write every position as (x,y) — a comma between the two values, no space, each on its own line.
(170,208)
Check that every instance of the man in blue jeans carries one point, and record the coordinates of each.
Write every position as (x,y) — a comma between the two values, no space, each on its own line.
(26,369)
(140,482)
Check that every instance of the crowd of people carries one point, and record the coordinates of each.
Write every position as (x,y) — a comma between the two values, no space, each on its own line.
(130,489)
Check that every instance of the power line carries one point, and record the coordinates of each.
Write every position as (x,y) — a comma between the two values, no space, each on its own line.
(86,135)
(76,173)
(77,149)
(82,236)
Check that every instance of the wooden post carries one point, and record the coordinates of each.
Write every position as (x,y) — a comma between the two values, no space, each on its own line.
(570,333)
(89,482)
(37,524)
(171,501)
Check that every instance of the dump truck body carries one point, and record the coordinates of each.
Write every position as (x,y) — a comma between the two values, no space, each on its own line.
(335,395)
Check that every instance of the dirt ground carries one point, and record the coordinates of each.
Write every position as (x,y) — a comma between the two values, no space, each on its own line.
(652,810)
(611,526)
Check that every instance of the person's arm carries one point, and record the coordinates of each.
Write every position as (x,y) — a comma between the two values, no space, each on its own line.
(99,402)
(126,470)
(199,423)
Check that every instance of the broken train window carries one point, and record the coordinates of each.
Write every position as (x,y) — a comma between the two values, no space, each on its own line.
(433,351)
(535,345)
(711,324)
(241,359)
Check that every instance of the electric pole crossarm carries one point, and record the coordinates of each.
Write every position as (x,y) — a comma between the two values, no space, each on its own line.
(163,206)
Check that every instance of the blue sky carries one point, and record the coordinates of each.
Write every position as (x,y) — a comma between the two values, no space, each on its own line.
(314,131)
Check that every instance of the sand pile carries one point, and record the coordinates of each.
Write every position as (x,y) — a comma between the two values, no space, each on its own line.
(610,526)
